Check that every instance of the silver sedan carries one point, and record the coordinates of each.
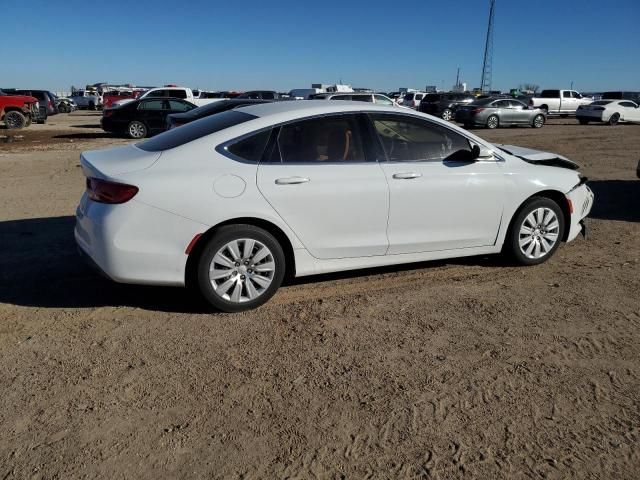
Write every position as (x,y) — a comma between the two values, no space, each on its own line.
(498,112)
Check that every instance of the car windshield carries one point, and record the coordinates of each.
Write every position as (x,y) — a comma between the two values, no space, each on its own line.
(194,130)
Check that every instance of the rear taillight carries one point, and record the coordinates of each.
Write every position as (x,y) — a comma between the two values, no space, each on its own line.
(104,191)
(477,110)
(50,104)
(598,108)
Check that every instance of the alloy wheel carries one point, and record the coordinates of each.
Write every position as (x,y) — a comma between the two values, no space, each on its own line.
(539,233)
(242,270)
(492,121)
(447,115)
(137,130)
(538,121)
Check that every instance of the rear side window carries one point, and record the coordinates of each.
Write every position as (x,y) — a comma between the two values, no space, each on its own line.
(151,105)
(628,104)
(250,148)
(326,139)
(194,130)
(550,94)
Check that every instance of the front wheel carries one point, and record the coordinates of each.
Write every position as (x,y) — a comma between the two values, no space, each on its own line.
(447,114)
(240,268)
(583,121)
(536,231)
(538,121)
(15,120)
(137,130)
(614,119)
(493,122)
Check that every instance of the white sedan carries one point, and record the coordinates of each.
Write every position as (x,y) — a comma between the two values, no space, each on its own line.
(234,202)
(608,111)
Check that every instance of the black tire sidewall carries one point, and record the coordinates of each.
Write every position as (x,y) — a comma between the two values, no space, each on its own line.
(223,236)
(614,119)
(13,113)
(512,241)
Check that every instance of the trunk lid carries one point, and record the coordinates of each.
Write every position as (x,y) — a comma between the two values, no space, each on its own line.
(112,162)
(538,157)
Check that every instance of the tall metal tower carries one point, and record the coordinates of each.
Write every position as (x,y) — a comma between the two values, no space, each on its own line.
(485,83)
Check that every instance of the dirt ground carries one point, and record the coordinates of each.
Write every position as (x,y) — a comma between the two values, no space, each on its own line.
(456,369)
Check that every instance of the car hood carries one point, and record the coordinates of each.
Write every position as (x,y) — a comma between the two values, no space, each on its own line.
(538,157)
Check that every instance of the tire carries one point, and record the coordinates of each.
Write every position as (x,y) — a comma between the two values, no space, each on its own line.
(583,121)
(447,114)
(538,121)
(493,122)
(92,106)
(535,231)
(28,122)
(468,125)
(614,119)
(137,130)
(15,120)
(237,281)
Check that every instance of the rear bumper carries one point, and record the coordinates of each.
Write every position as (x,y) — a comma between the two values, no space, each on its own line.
(582,199)
(134,242)
(592,117)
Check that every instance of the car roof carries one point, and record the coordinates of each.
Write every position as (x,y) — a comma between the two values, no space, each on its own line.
(302,108)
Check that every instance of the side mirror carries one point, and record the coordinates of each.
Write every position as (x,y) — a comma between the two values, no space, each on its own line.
(480,153)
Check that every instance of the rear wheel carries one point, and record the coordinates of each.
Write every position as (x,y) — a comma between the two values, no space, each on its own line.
(493,121)
(538,121)
(92,106)
(447,114)
(15,120)
(137,129)
(583,121)
(240,268)
(535,232)
(614,119)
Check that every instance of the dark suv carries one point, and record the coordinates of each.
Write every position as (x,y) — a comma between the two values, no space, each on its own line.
(444,104)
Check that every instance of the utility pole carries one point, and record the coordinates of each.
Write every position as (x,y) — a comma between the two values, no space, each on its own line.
(485,83)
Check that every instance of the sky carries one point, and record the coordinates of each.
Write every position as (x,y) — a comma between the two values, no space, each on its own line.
(288,44)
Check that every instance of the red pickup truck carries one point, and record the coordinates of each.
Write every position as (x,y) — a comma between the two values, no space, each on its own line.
(18,111)
(113,96)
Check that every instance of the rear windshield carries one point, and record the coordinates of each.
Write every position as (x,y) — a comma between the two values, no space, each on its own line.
(194,130)
(601,102)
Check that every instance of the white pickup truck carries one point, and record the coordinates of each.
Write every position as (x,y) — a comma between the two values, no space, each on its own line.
(559,102)
(171,92)
(90,99)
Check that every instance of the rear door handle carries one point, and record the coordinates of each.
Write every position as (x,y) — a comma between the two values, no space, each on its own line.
(406,176)
(292,180)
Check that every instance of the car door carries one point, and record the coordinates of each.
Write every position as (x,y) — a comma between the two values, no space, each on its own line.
(151,113)
(322,184)
(504,111)
(439,199)
(629,112)
(519,112)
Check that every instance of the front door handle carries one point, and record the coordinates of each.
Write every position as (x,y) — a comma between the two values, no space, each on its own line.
(406,176)
(292,180)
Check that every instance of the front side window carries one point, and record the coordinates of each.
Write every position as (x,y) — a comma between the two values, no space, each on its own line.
(325,139)
(407,139)
(177,93)
(628,104)
(177,106)
(382,100)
